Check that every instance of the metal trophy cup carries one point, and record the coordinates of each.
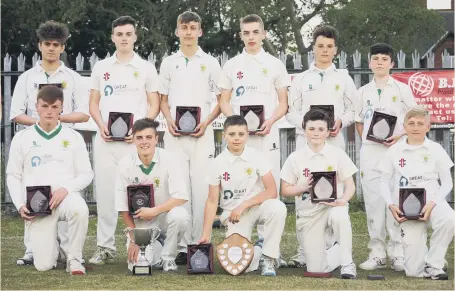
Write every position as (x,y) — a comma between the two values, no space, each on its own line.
(144,237)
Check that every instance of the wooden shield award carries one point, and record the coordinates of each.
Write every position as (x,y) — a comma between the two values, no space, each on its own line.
(235,254)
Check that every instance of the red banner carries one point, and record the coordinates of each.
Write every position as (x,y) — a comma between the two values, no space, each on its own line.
(434,90)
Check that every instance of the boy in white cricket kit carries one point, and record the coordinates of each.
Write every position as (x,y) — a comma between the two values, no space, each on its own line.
(49,154)
(418,162)
(387,95)
(52,38)
(121,83)
(188,78)
(244,179)
(314,220)
(152,165)
(255,77)
(321,84)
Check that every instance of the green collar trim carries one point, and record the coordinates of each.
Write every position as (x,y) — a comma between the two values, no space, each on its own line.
(45,134)
(146,170)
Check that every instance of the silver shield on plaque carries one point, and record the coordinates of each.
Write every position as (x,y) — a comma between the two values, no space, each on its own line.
(119,128)
(139,199)
(252,120)
(199,260)
(323,189)
(187,122)
(411,205)
(39,202)
(381,129)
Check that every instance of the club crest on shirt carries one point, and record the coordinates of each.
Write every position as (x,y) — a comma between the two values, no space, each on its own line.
(330,168)
(66,143)
(249,171)
(136,74)
(157,182)
(426,159)
(203,68)
(394,99)
(265,72)
(337,87)
(64,84)
(361,174)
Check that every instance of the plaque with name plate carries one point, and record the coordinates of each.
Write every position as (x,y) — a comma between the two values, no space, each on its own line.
(119,124)
(200,259)
(140,196)
(330,111)
(324,187)
(187,118)
(254,116)
(235,254)
(381,127)
(412,201)
(38,200)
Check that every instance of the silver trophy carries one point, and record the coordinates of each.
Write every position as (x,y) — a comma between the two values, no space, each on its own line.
(187,122)
(381,129)
(39,202)
(252,120)
(119,128)
(412,205)
(323,189)
(144,237)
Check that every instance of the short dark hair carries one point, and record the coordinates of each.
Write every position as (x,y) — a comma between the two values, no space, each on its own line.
(234,120)
(381,48)
(123,20)
(325,31)
(52,30)
(145,123)
(251,18)
(189,16)
(50,94)
(314,115)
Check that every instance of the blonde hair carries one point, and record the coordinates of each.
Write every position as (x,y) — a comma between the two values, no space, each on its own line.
(417,111)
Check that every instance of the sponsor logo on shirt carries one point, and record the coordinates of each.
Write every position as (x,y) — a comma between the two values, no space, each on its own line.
(306,172)
(368,113)
(107,76)
(402,162)
(240,91)
(274,148)
(305,195)
(226,176)
(403,182)
(108,90)
(35,145)
(35,161)
(136,180)
(236,194)
(119,89)
(227,194)
(240,75)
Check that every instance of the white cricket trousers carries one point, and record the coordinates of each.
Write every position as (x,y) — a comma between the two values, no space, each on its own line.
(174,223)
(271,214)
(194,155)
(62,233)
(43,232)
(414,233)
(106,156)
(312,233)
(378,215)
(300,143)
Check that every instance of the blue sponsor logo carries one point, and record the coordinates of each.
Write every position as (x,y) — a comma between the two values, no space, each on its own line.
(240,91)
(35,161)
(108,90)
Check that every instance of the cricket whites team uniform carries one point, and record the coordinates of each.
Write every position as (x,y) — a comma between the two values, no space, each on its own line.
(254,80)
(421,166)
(322,87)
(166,177)
(191,82)
(75,99)
(123,88)
(240,178)
(314,220)
(394,99)
(58,159)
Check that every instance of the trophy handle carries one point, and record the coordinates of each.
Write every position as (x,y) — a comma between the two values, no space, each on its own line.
(155,234)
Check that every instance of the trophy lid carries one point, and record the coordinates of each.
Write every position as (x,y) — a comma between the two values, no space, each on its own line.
(252,120)
(187,122)
(119,128)
(323,188)
(39,202)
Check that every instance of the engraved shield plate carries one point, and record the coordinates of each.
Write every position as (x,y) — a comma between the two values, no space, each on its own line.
(252,121)
(187,122)
(235,254)
(39,202)
(199,260)
(119,128)
(412,205)
(381,129)
(323,188)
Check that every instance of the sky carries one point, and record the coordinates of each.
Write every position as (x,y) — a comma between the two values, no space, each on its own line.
(438,4)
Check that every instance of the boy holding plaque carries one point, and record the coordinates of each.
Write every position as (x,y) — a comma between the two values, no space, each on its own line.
(156,173)
(322,86)
(187,86)
(123,89)
(50,70)
(380,108)
(245,182)
(50,155)
(314,218)
(418,163)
